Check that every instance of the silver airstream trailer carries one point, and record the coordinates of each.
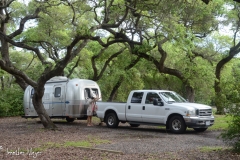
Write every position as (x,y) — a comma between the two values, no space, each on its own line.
(63,98)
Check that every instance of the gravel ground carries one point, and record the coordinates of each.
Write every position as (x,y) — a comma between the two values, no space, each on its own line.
(26,139)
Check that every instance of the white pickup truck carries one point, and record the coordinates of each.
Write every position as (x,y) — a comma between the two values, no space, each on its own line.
(157,107)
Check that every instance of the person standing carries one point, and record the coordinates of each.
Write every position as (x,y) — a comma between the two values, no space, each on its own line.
(90,111)
(91,108)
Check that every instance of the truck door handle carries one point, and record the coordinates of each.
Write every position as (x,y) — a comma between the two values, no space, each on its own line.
(129,107)
(143,108)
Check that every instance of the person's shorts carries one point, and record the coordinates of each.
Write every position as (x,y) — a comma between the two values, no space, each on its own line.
(89,112)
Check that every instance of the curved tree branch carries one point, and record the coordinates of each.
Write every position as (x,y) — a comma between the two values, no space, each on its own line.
(22,23)
(97,77)
(7,4)
(24,46)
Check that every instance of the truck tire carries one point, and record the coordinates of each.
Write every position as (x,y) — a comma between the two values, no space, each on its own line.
(177,124)
(134,125)
(112,120)
(69,119)
(200,129)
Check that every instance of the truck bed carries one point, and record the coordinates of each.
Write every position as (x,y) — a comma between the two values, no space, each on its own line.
(118,107)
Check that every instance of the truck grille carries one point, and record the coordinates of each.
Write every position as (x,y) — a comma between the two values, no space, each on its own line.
(205,112)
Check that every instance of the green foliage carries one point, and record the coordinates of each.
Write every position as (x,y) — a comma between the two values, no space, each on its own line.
(132,80)
(196,70)
(143,48)
(178,21)
(209,149)
(220,122)
(232,135)
(229,84)
(27,62)
(231,90)
(11,102)
(87,143)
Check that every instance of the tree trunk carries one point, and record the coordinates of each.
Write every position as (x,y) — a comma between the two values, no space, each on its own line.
(21,82)
(45,119)
(115,88)
(2,83)
(10,79)
(219,100)
(190,93)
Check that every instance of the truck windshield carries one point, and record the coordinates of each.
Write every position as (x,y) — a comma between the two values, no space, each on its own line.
(172,97)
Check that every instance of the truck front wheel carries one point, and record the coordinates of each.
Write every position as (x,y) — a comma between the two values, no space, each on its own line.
(112,120)
(177,124)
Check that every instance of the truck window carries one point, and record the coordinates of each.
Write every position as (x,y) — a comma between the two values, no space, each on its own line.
(172,97)
(151,96)
(137,97)
(57,92)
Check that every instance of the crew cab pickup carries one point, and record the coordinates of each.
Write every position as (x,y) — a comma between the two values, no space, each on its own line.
(157,107)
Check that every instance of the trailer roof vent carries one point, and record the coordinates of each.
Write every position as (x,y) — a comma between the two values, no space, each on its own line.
(58,79)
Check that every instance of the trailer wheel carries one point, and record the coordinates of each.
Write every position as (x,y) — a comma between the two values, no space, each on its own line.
(200,129)
(112,120)
(70,119)
(134,125)
(177,124)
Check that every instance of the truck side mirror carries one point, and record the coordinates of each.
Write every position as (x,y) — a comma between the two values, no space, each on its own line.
(158,103)
(161,103)
(155,102)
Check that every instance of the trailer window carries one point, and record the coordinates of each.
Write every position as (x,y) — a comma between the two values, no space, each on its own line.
(57,92)
(32,92)
(87,93)
(95,90)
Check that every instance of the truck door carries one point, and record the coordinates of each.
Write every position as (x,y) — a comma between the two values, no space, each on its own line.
(58,101)
(134,108)
(153,113)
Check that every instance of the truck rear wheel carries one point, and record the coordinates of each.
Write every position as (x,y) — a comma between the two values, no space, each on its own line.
(112,120)
(177,124)
(200,129)
(70,119)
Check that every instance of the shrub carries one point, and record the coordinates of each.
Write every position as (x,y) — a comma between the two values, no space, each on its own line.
(11,102)
(232,134)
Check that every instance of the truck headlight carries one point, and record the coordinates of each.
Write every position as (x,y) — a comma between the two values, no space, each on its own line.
(191,113)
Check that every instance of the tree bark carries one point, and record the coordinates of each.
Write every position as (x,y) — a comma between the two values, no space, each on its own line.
(6,38)
(190,93)
(218,96)
(115,88)
(21,82)
(38,106)
(121,78)
(10,80)
(2,83)
(163,69)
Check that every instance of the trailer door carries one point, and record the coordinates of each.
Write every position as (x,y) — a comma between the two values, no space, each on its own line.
(31,110)
(58,102)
